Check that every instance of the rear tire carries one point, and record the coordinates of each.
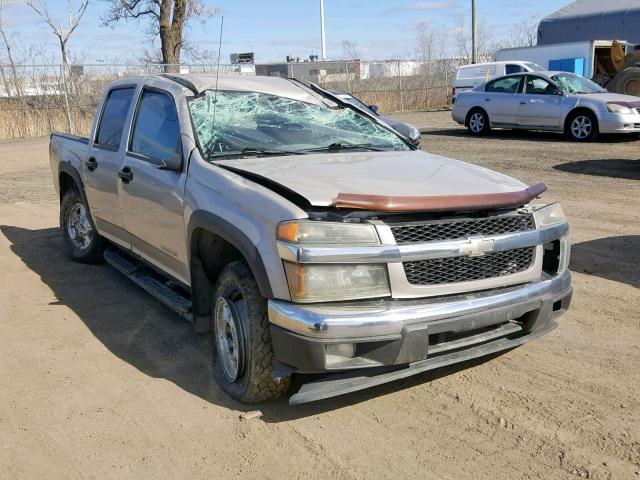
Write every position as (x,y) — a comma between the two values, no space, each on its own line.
(582,126)
(243,358)
(626,82)
(82,242)
(478,122)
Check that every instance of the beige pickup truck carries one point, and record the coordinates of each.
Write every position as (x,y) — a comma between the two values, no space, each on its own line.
(307,235)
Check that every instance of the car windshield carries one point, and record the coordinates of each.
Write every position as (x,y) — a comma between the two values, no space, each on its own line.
(534,67)
(233,122)
(572,83)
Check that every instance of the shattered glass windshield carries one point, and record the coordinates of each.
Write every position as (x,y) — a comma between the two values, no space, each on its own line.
(233,122)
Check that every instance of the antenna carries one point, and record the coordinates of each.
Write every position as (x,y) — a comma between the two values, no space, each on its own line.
(215,95)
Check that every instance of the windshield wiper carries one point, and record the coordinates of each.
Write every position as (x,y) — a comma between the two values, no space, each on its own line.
(255,152)
(335,147)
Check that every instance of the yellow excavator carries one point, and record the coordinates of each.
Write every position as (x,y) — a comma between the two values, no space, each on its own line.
(617,68)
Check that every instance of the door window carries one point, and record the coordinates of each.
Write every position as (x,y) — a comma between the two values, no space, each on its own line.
(114,115)
(156,132)
(539,86)
(504,85)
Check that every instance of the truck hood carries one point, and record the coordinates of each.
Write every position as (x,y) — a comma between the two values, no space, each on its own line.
(321,178)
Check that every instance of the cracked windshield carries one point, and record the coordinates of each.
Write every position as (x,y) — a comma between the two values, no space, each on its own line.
(241,123)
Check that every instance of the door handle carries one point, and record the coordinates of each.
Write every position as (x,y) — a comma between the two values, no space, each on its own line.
(125,174)
(523,103)
(91,164)
(487,99)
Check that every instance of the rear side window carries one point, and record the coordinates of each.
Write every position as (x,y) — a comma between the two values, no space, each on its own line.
(113,117)
(511,68)
(156,132)
(504,85)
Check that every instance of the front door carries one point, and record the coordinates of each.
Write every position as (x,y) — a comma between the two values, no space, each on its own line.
(540,104)
(102,163)
(152,198)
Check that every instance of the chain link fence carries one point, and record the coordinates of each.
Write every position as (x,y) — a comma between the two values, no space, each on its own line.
(38,99)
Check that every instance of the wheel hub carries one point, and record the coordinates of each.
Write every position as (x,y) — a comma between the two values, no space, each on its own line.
(228,338)
(581,126)
(476,122)
(79,227)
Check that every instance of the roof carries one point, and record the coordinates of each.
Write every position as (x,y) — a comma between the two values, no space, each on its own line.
(268,85)
(592,20)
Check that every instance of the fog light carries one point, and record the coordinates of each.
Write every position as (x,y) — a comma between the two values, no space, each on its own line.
(347,350)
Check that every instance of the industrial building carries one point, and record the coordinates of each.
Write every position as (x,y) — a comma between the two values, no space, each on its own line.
(592,20)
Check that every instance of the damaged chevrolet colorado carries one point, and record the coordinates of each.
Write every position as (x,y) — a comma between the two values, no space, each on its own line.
(307,235)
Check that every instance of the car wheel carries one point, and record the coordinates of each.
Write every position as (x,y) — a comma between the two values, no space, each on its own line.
(583,127)
(478,122)
(243,358)
(82,242)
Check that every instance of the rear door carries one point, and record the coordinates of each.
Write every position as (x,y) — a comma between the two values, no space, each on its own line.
(102,164)
(152,199)
(541,104)
(501,98)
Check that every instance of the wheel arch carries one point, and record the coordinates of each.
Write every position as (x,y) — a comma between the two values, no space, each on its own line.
(214,242)
(471,111)
(576,110)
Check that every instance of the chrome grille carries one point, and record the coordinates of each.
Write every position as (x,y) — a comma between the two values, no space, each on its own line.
(463,228)
(463,269)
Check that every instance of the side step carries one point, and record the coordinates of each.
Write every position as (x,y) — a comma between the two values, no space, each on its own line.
(149,281)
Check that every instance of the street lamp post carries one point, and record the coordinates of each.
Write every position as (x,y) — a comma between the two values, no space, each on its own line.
(322,39)
(474,39)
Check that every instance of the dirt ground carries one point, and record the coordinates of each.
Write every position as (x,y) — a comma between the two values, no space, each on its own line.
(99,380)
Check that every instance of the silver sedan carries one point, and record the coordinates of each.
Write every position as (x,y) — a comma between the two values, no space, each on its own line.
(553,101)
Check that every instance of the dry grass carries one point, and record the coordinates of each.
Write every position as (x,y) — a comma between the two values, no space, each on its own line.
(28,120)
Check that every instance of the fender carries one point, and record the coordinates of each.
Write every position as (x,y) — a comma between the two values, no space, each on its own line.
(217,225)
(69,169)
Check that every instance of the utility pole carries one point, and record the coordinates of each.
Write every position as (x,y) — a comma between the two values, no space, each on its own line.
(474,39)
(322,39)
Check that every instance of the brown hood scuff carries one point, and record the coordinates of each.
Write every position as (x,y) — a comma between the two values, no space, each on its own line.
(438,203)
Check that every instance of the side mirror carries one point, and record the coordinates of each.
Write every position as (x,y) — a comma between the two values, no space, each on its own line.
(174,163)
(373,108)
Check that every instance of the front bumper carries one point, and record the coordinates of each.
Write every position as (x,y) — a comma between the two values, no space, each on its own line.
(619,123)
(391,332)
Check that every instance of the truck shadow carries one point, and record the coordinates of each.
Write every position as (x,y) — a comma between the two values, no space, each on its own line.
(608,167)
(144,333)
(613,258)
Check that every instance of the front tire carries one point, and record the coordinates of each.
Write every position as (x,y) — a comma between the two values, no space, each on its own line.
(82,242)
(582,127)
(243,358)
(478,122)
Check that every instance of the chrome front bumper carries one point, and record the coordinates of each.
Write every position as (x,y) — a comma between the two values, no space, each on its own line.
(391,317)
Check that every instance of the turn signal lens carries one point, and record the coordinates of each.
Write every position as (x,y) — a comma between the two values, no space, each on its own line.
(327,233)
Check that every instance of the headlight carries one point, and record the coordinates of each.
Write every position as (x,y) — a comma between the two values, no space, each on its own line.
(323,283)
(618,108)
(546,215)
(327,233)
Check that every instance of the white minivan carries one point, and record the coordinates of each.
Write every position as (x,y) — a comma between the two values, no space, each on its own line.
(470,76)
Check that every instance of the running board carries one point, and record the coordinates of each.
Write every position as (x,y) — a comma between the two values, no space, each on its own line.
(150,282)
(342,383)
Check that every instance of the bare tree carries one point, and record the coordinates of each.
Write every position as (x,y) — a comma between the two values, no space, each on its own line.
(524,34)
(430,49)
(464,41)
(63,32)
(8,47)
(350,50)
(168,20)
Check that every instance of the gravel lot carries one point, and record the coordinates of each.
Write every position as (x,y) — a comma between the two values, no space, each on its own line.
(98,380)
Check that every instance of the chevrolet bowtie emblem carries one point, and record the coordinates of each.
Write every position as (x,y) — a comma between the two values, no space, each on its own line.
(476,246)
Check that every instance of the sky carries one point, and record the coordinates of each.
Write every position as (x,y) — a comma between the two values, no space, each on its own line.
(381,29)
